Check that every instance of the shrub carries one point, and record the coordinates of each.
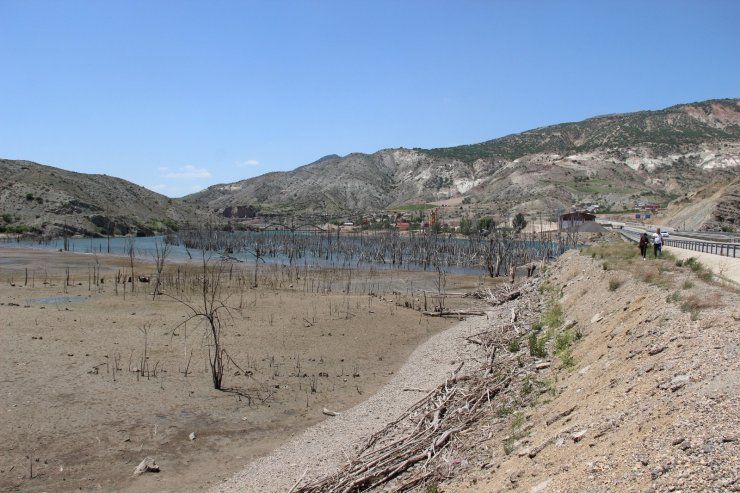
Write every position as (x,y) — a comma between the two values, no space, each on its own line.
(566,359)
(564,340)
(553,316)
(614,284)
(527,385)
(432,488)
(537,345)
(694,304)
(694,264)
(514,345)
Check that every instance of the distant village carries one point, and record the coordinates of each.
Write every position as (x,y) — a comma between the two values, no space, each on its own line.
(427,217)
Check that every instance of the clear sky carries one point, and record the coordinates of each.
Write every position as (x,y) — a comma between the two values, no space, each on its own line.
(180,95)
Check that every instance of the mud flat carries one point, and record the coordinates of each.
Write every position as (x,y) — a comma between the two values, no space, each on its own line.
(93,381)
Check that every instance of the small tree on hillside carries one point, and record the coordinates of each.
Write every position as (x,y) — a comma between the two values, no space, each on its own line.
(486,223)
(466,225)
(519,222)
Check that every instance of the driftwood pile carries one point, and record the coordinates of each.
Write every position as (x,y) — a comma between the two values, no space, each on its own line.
(496,297)
(432,438)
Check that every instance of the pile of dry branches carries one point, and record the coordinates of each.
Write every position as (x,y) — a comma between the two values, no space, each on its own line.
(431,437)
(496,297)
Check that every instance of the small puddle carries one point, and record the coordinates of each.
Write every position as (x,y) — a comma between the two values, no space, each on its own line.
(58,300)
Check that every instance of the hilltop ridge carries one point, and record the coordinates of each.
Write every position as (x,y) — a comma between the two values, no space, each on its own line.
(613,161)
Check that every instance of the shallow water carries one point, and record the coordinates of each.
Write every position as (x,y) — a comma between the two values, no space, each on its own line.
(58,300)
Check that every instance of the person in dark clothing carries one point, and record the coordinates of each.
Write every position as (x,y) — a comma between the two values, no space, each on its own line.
(644,242)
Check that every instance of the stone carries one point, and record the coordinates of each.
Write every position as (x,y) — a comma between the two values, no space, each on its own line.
(541,486)
(578,436)
(147,465)
(678,382)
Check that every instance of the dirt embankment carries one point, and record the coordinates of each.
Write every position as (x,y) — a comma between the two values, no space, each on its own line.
(650,401)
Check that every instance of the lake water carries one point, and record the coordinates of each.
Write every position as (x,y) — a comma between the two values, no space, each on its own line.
(316,250)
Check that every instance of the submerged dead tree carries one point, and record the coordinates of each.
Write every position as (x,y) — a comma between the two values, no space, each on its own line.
(161,252)
(493,255)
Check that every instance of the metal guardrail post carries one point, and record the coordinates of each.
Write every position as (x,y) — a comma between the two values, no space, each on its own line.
(722,249)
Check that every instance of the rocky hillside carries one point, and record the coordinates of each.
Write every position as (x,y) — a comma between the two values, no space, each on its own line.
(613,160)
(726,215)
(714,207)
(42,198)
(645,400)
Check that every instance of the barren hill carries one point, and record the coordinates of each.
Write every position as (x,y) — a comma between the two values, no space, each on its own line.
(613,160)
(713,207)
(34,196)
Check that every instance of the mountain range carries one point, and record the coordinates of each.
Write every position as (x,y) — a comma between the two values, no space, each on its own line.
(613,161)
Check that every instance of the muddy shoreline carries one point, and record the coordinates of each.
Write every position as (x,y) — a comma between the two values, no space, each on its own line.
(81,411)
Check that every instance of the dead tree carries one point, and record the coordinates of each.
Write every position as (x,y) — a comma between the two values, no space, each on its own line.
(210,307)
(161,251)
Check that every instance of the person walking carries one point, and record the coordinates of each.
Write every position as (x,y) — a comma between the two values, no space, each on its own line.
(644,242)
(657,244)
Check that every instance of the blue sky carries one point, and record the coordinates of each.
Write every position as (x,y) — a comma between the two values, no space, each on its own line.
(180,95)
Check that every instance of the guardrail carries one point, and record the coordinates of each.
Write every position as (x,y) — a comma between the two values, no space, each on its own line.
(725,249)
(715,237)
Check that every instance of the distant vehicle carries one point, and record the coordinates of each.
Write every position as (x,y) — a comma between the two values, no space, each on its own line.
(664,234)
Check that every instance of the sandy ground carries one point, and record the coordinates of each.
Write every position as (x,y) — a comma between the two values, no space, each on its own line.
(93,381)
(726,267)
(323,448)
